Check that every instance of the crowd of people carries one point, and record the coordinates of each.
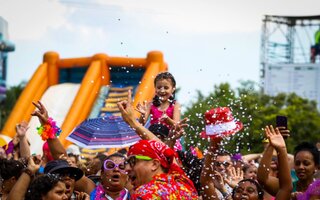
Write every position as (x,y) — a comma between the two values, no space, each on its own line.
(156,167)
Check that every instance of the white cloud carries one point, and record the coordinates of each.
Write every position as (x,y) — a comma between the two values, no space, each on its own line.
(31,19)
(207,16)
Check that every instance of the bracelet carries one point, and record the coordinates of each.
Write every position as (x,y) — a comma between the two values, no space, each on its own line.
(49,130)
(28,171)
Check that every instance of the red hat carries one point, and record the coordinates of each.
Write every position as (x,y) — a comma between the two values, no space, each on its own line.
(220,123)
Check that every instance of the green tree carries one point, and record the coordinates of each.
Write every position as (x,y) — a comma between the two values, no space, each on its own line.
(255,110)
(6,106)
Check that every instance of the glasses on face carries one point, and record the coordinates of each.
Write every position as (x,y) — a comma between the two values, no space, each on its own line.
(132,160)
(225,164)
(110,165)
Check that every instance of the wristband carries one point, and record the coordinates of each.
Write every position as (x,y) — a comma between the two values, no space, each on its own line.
(49,130)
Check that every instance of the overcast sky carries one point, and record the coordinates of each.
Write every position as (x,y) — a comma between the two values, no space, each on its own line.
(205,42)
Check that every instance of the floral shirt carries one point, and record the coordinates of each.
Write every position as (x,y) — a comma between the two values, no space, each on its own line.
(167,186)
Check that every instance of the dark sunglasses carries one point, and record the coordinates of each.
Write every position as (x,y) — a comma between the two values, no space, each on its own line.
(110,165)
(225,164)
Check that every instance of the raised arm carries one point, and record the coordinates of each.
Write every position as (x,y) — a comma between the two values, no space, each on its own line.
(20,188)
(269,183)
(206,178)
(21,130)
(127,113)
(56,148)
(277,141)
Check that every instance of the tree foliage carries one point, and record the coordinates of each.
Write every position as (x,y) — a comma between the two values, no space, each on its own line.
(6,106)
(255,110)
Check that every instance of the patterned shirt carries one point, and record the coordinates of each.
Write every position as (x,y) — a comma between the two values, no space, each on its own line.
(167,186)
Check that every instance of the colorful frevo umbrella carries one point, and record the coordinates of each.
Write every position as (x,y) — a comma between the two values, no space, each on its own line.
(103,132)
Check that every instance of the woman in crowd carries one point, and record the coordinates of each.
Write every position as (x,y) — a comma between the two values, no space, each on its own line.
(47,187)
(113,179)
(306,162)
(10,171)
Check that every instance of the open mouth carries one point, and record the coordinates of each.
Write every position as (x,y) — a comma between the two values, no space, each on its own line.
(68,187)
(115,177)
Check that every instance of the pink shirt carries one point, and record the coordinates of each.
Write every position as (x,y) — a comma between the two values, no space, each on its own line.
(155,114)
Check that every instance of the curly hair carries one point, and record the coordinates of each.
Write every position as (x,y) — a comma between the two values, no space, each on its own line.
(10,168)
(41,186)
(307,146)
(258,186)
(161,76)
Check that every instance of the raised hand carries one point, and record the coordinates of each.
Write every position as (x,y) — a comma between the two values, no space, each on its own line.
(21,129)
(218,181)
(142,108)
(177,130)
(32,166)
(41,113)
(126,109)
(284,132)
(275,137)
(236,175)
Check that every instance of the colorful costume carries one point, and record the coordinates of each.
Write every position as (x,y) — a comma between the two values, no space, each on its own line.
(172,185)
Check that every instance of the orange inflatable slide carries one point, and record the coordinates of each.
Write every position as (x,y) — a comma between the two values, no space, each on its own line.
(70,89)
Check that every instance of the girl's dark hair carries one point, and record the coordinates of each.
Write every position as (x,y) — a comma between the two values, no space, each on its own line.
(160,76)
(259,188)
(10,168)
(307,146)
(41,185)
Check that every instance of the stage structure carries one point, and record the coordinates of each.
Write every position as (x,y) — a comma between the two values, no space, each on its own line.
(286,62)
(5,47)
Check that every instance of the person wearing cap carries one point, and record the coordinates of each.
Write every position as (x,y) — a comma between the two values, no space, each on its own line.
(49,186)
(154,175)
(68,174)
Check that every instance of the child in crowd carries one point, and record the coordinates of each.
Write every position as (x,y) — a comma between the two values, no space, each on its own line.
(164,109)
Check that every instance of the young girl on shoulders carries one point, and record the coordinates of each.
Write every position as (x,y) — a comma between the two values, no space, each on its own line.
(164,109)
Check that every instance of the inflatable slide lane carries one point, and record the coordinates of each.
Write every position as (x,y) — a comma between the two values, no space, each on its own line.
(74,89)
